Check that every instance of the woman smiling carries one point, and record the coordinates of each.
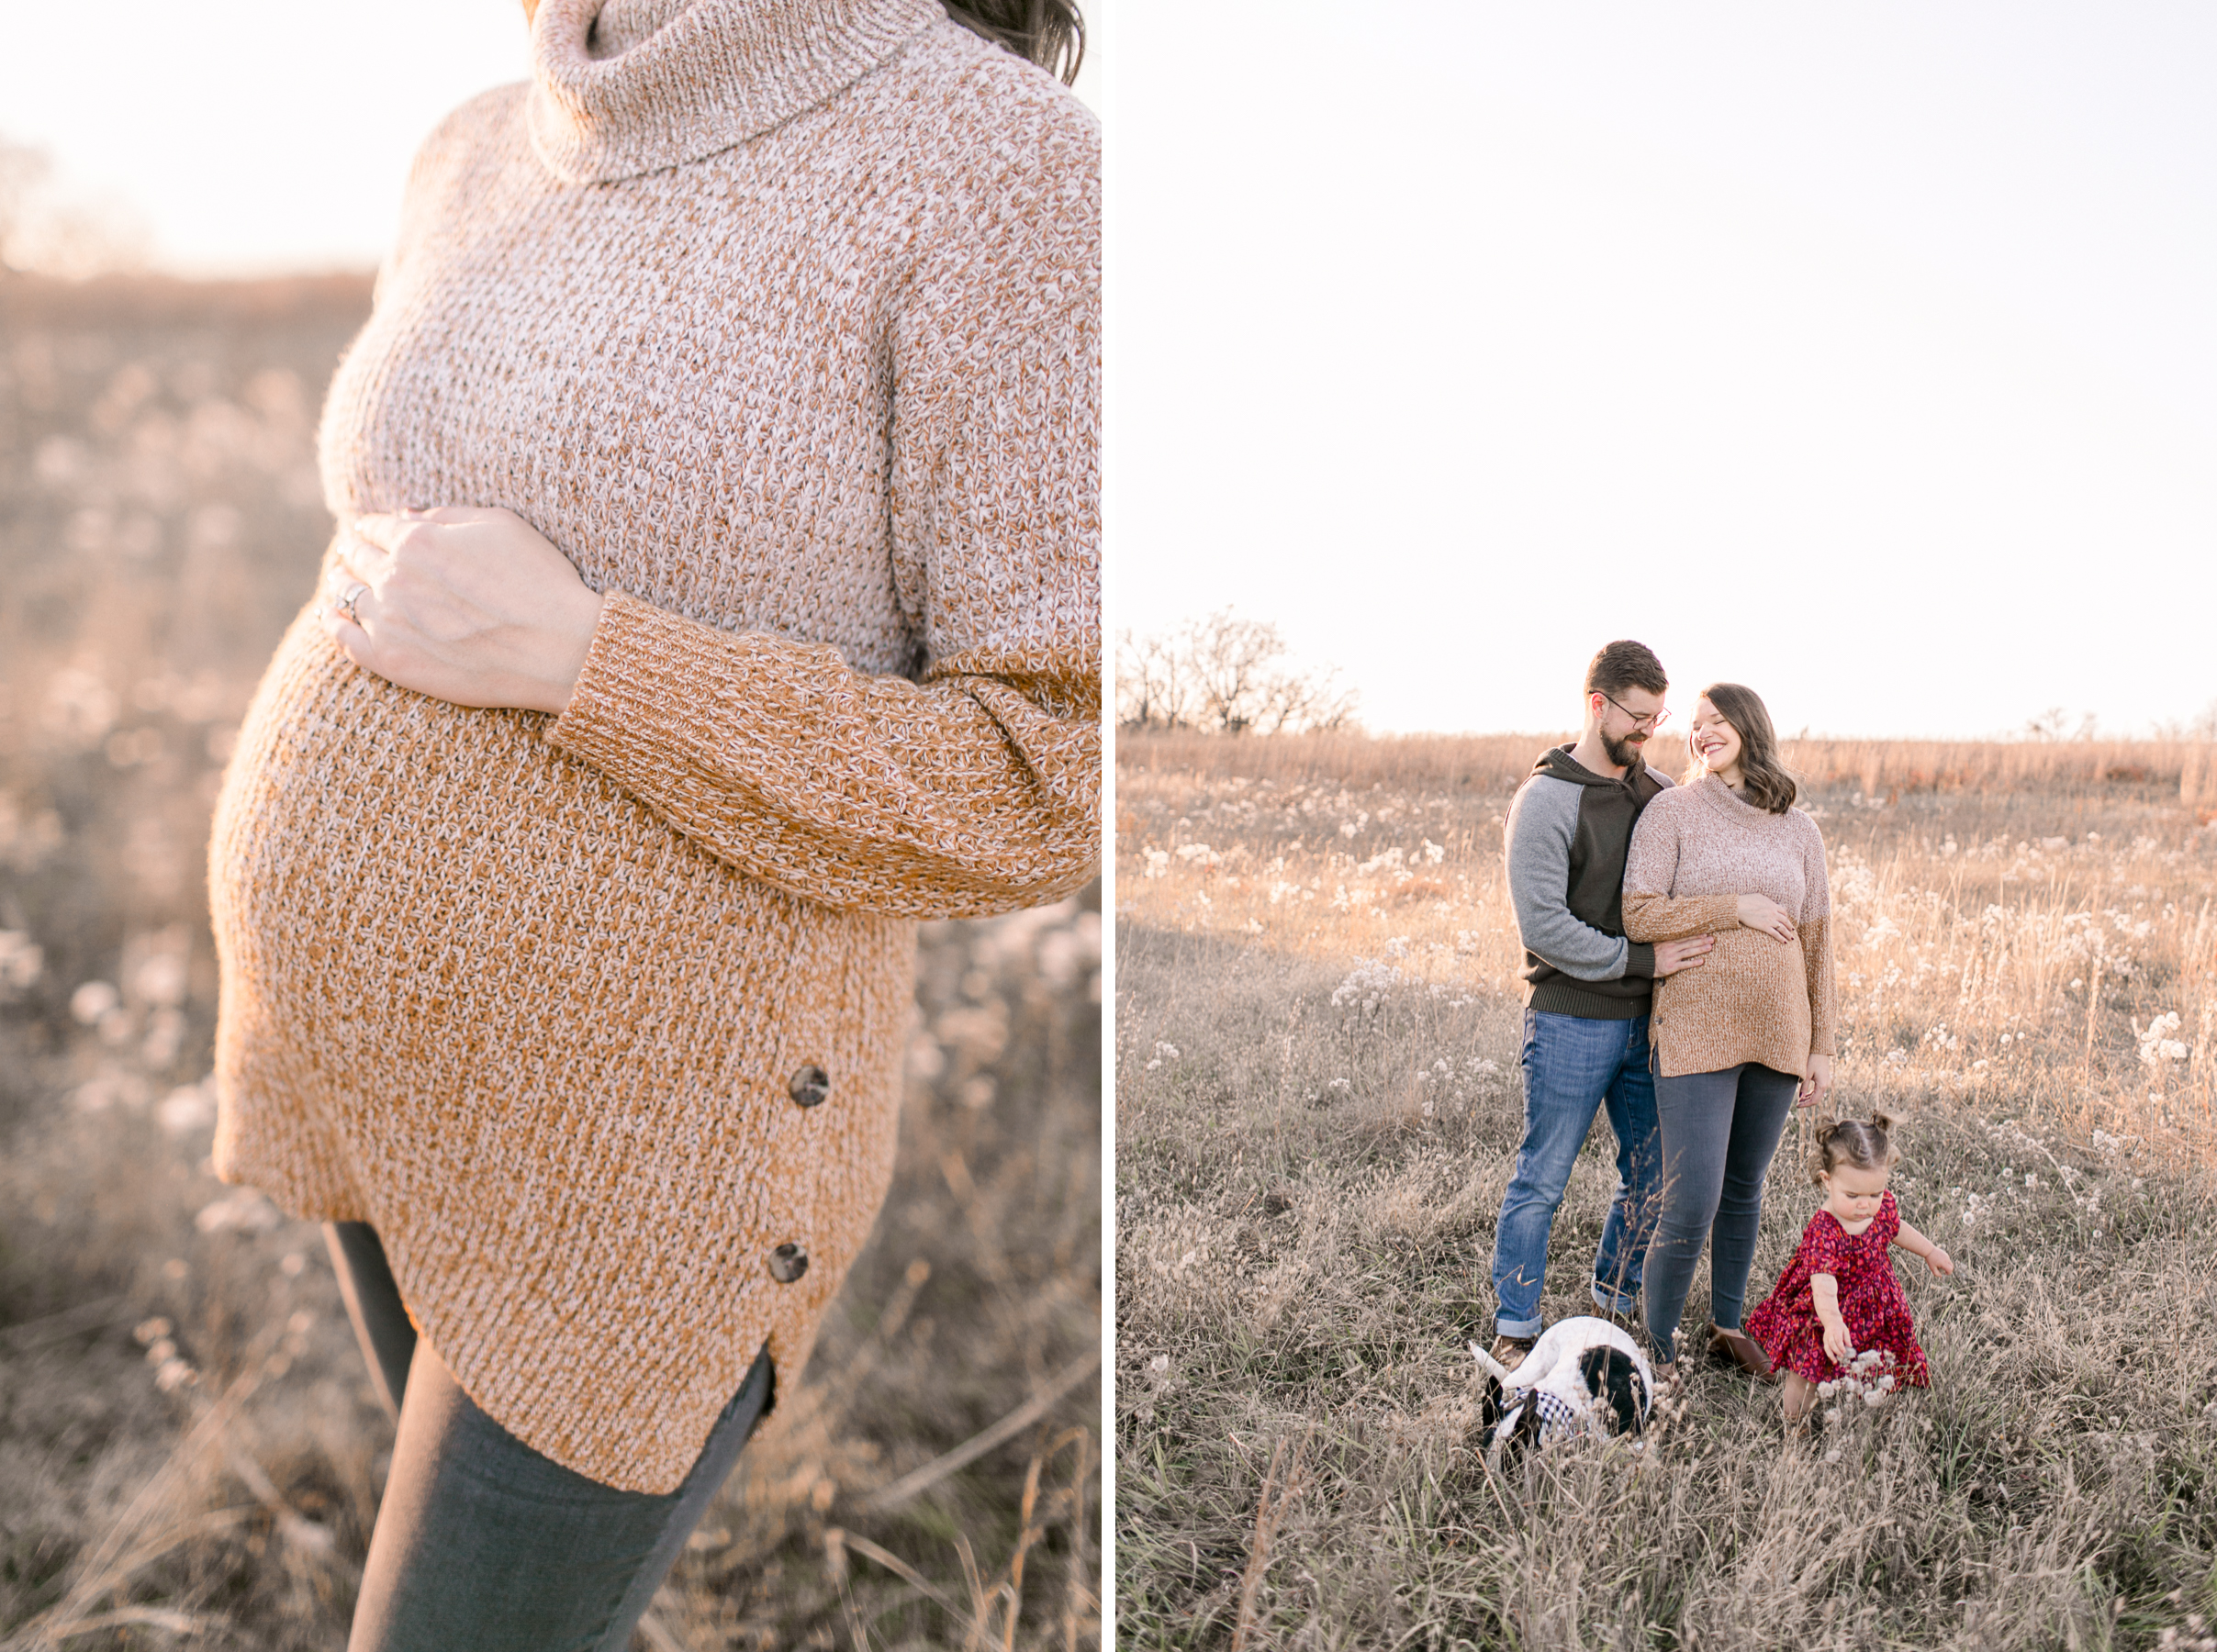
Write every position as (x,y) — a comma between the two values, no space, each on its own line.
(1736,1040)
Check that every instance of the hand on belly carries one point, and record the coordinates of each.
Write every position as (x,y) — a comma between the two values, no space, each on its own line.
(472,606)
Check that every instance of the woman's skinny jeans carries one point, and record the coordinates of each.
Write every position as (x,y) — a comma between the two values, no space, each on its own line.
(482,1543)
(1718,1132)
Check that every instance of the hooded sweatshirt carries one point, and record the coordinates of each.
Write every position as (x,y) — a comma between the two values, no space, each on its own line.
(1565,841)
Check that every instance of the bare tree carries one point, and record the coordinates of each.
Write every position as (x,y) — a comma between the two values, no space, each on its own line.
(1151,692)
(46,228)
(22,172)
(1225,675)
(2054,723)
(2202,725)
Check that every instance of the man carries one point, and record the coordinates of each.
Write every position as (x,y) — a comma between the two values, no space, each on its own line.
(1586,994)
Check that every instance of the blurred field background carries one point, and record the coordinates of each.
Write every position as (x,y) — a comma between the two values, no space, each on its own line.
(189,1452)
(1318,1105)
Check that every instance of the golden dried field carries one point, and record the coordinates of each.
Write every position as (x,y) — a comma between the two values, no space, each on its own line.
(189,1451)
(1318,1108)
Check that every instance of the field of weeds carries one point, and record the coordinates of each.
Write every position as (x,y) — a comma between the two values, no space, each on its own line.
(189,1451)
(1317,1109)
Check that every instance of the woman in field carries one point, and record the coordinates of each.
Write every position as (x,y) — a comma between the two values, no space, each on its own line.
(1738,1040)
(716,593)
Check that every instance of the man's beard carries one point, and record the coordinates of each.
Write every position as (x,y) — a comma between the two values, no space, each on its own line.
(1625,752)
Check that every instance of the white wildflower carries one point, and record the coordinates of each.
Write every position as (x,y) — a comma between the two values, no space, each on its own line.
(1367,984)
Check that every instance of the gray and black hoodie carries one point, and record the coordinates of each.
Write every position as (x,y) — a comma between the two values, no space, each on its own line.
(1565,841)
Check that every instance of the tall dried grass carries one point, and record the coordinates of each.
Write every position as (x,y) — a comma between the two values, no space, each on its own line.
(189,1450)
(1877,768)
(1318,1110)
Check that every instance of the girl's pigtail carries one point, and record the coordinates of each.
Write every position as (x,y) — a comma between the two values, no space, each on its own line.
(1821,1159)
(1887,1153)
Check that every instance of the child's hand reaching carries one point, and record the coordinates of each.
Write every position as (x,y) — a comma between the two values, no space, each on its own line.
(1940,1262)
(1839,1347)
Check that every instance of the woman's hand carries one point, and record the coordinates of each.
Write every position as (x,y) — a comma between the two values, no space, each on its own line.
(472,606)
(1839,1347)
(1819,1081)
(1940,1262)
(1761,912)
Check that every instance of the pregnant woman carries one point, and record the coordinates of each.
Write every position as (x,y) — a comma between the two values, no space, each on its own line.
(716,593)
(1738,1039)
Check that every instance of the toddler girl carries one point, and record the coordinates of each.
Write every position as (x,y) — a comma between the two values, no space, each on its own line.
(1838,1297)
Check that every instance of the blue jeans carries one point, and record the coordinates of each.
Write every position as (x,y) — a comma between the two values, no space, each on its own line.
(481,1542)
(1571,1066)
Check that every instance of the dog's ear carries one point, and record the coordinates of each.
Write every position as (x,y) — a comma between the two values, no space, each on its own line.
(1610,1371)
(1489,1405)
(1592,1364)
(1527,1433)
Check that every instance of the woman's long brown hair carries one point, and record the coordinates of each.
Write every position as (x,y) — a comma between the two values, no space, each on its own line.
(1050,33)
(1762,778)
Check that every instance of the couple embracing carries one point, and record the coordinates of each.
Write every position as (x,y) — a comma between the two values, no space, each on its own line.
(1678,971)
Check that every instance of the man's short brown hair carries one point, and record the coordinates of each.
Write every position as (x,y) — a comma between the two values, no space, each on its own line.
(1623,665)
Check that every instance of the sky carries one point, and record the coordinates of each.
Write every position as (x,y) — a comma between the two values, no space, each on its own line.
(249,137)
(1863,354)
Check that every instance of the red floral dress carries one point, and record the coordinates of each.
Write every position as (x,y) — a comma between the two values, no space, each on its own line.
(1871,1301)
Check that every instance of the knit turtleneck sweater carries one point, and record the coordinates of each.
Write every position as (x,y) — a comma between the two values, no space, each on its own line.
(1696,851)
(780,319)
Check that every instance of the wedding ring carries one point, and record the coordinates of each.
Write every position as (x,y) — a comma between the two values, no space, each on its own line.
(345,604)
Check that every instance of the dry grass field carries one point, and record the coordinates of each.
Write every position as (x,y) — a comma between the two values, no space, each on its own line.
(189,1453)
(1316,1031)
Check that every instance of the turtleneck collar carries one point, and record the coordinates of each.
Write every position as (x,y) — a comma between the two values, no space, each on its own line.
(1731,802)
(622,87)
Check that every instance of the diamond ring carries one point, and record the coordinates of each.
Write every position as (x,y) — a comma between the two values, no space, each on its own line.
(345,604)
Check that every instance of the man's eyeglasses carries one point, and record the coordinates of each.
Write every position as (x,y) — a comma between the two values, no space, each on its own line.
(1652,721)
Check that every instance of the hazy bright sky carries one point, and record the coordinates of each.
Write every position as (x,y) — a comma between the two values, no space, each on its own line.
(256,135)
(1864,354)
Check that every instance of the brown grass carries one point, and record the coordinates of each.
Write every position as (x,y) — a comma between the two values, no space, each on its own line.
(189,1448)
(1317,1105)
(1884,769)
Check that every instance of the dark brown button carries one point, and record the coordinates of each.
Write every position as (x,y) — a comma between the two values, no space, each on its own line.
(810,1086)
(787,1263)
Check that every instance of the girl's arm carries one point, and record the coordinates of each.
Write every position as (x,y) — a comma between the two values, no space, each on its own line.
(1916,1244)
(1839,1347)
(1650,867)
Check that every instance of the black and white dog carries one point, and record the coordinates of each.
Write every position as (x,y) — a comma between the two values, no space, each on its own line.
(1583,1376)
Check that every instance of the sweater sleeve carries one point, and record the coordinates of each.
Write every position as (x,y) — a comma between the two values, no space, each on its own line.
(1543,818)
(1651,868)
(975,788)
(1816,927)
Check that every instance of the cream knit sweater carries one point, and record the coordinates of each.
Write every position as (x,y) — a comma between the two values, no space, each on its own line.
(780,318)
(1696,851)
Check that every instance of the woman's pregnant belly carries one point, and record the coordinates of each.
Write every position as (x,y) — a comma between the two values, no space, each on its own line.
(447,864)
(1751,988)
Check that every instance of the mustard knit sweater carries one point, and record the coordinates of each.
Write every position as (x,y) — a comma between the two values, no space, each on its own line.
(1695,851)
(781,319)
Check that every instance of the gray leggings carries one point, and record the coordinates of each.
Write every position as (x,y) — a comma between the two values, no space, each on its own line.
(481,1542)
(1720,1131)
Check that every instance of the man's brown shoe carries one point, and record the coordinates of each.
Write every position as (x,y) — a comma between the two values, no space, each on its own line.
(1737,1347)
(1509,1351)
